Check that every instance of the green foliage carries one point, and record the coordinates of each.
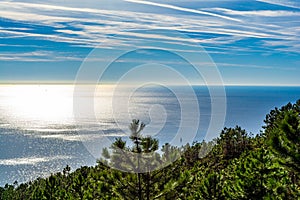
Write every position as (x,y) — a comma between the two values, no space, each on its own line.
(257,175)
(140,159)
(283,137)
(209,187)
(233,166)
(234,142)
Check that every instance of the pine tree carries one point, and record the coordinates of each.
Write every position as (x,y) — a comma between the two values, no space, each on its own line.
(282,132)
(258,176)
(139,159)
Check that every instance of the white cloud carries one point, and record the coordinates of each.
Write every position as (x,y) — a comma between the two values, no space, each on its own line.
(50,7)
(89,27)
(285,3)
(38,56)
(242,65)
(260,13)
(182,9)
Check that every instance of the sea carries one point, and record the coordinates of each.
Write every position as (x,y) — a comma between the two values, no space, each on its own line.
(43,128)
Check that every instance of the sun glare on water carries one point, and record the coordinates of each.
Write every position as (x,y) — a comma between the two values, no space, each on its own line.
(43,107)
(30,105)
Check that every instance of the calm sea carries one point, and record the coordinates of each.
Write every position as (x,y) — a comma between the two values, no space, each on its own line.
(39,134)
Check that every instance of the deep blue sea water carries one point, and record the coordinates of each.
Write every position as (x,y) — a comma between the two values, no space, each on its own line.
(39,135)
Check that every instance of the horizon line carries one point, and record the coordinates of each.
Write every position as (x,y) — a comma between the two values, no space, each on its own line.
(87,83)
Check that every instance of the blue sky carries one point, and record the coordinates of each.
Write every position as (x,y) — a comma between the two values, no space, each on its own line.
(251,42)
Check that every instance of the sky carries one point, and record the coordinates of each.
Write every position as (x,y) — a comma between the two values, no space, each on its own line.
(251,42)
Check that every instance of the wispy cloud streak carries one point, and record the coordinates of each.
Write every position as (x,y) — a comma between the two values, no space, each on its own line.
(260,13)
(216,28)
(285,3)
(182,9)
